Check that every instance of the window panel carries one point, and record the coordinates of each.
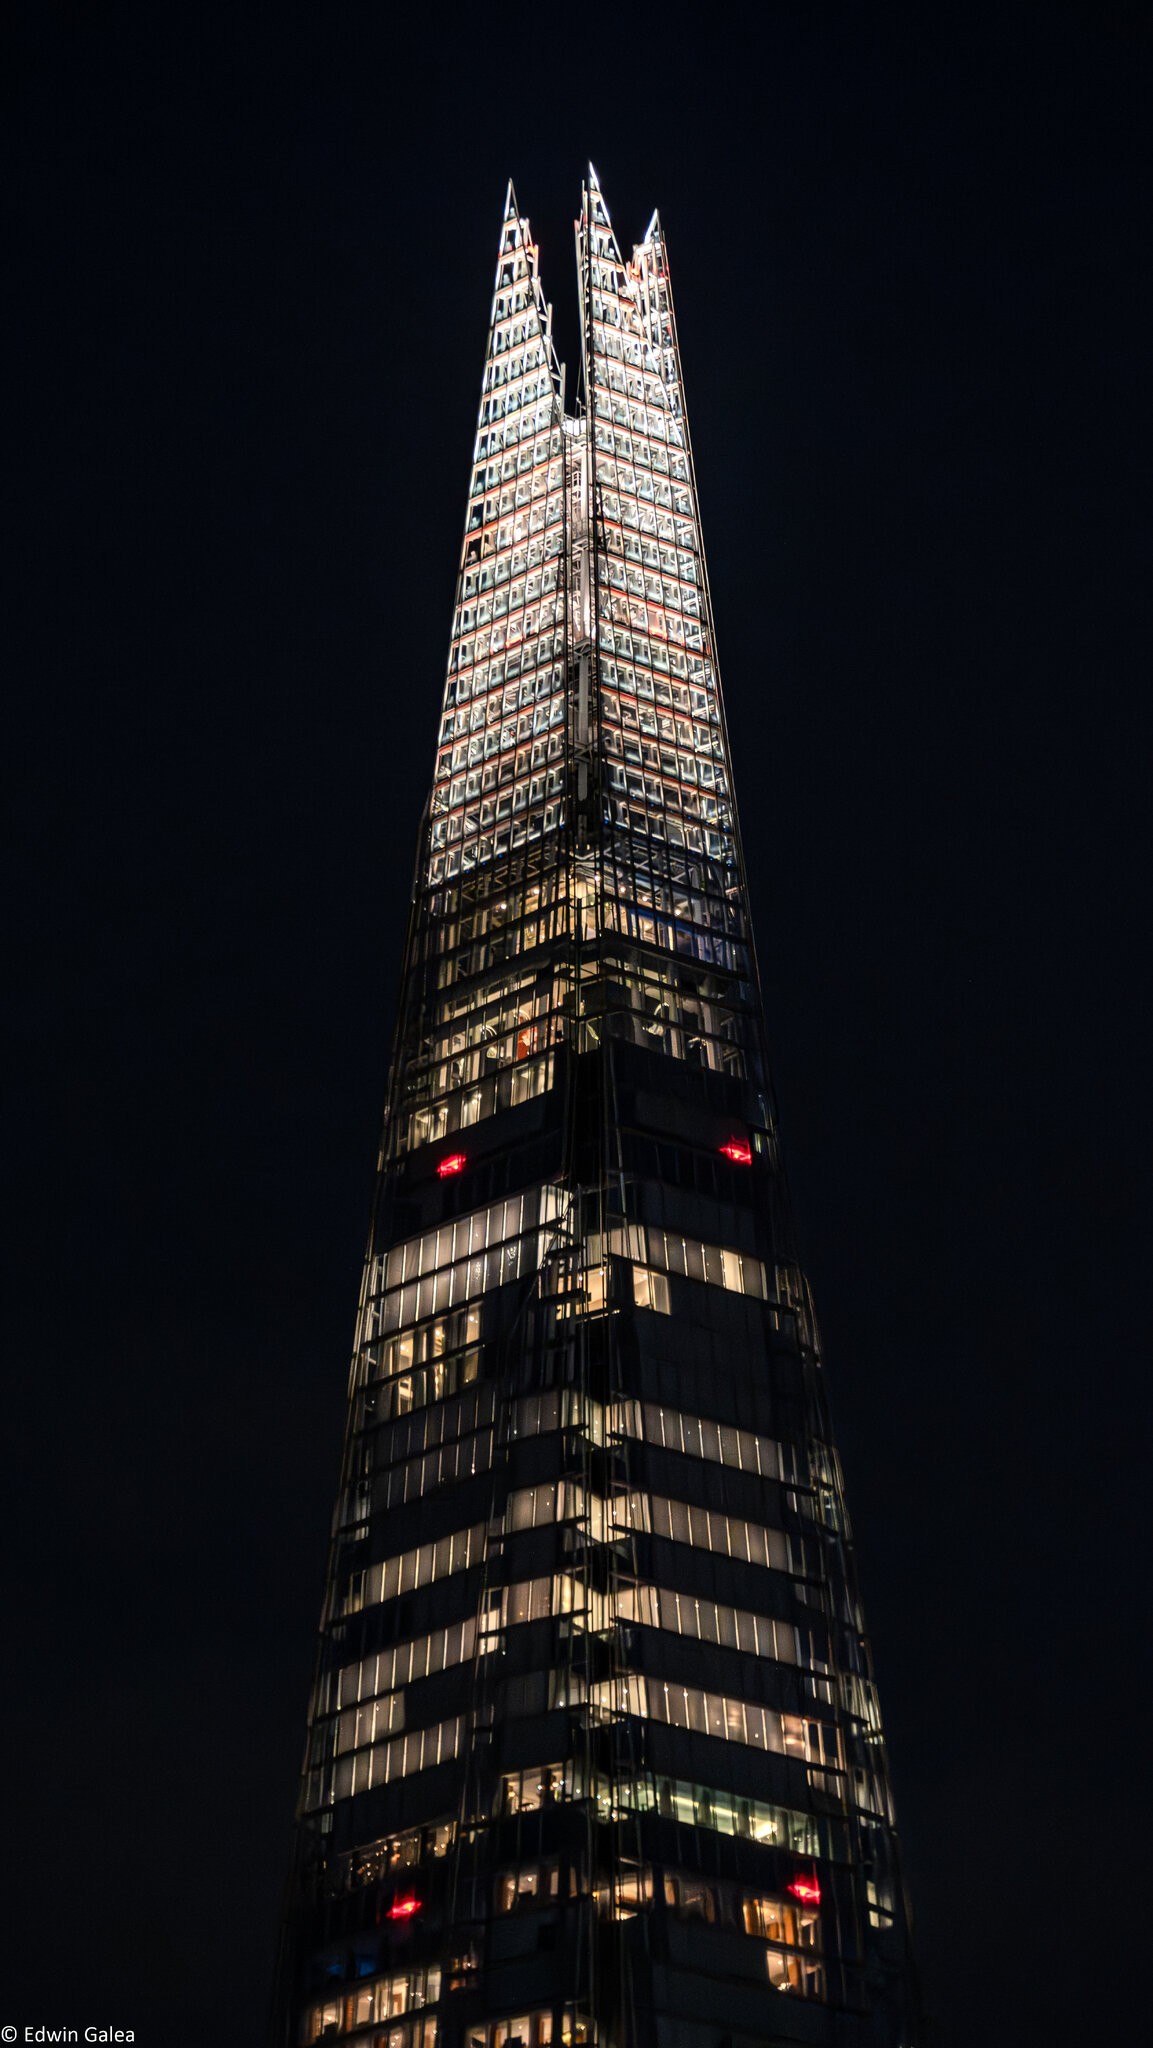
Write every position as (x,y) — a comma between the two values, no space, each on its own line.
(719,1715)
(412,1569)
(708,1621)
(696,1437)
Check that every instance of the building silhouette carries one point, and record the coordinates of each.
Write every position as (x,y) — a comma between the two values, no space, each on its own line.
(594,1751)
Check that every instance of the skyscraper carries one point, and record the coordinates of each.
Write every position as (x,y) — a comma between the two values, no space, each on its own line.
(594,1752)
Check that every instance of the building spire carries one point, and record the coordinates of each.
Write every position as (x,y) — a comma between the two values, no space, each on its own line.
(592,1664)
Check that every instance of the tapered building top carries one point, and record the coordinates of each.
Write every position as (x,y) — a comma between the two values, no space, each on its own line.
(594,1749)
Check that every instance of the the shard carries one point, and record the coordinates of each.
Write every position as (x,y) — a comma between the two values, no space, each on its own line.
(594,1750)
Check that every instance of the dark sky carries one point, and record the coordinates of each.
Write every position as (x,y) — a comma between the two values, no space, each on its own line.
(250,255)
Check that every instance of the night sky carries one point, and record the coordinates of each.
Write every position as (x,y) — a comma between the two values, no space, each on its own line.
(250,256)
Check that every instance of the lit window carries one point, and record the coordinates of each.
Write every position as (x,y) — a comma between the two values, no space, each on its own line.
(455,1163)
(783,1920)
(650,1290)
(518,1887)
(514,1886)
(805,1979)
(690,1897)
(526,1791)
(705,1806)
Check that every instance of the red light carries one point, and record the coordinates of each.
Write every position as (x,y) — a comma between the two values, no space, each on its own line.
(739,1151)
(404,1907)
(455,1163)
(806,1888)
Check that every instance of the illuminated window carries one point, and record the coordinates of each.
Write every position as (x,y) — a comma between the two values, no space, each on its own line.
(527,1885)
(419,1476)
(709,1529)
(389,1669)
(706,1806)
(665,1252)
(386,1999)
(526,1791)
(630,1891)
(690,1897)
(524,2030)
(400,1758)
(565,1500)
(782,1919)
(684,1614)
(535,1599)
(425,1276)
(414,1568)
(795,1973)
(718,1715)
(697,1437)
(465,1237)
(394,1853)
(418,1346)
(880,1903)
(651,1290)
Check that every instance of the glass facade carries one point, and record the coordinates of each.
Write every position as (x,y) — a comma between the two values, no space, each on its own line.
(594,1750)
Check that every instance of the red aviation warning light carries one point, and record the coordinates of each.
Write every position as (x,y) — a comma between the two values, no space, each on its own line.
(455,1163)
(404,1907)
(807,1890)
(739,1151)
